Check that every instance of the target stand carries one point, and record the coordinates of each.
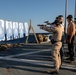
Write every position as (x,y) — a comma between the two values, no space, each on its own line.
(31,28)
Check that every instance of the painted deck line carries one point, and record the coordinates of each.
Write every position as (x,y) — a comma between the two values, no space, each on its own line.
(28,53)
(38,62)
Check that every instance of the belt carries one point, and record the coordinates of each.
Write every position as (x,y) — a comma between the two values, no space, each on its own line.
(57,40)
(54,41)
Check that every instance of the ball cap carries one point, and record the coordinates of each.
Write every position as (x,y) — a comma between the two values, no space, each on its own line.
(56,22)
(69,17)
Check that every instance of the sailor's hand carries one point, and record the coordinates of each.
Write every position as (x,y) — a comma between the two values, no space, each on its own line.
(41,27)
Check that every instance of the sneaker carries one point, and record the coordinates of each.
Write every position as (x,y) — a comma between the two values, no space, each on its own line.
(53,72)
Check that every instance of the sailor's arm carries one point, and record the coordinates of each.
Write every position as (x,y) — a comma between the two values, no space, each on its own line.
(46,28)
(72,30)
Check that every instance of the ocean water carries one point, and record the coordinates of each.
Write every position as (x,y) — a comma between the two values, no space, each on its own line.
(31,39)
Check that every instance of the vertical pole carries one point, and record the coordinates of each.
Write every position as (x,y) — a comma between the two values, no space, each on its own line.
(75,24)
(75,11)
(66,13)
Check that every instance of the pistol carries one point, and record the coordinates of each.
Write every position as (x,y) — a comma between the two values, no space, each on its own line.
(41,25)
(47,22)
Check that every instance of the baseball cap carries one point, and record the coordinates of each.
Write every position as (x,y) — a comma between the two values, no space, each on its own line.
(56,22)
(69,16)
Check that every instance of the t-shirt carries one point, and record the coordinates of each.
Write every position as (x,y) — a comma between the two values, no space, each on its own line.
(57,34)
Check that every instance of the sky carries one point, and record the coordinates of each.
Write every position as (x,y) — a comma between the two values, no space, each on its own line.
(36,10)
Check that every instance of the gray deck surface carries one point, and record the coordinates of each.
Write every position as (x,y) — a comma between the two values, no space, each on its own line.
(31,60)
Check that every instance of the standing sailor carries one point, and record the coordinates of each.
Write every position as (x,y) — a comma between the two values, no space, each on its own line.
(70,37)
(57,44)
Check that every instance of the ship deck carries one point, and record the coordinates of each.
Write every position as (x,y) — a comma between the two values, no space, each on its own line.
(32,59)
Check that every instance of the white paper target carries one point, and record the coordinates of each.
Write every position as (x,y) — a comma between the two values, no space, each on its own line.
(15,30)
(26,28)
(2,35)
(21,29)
(9,30)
